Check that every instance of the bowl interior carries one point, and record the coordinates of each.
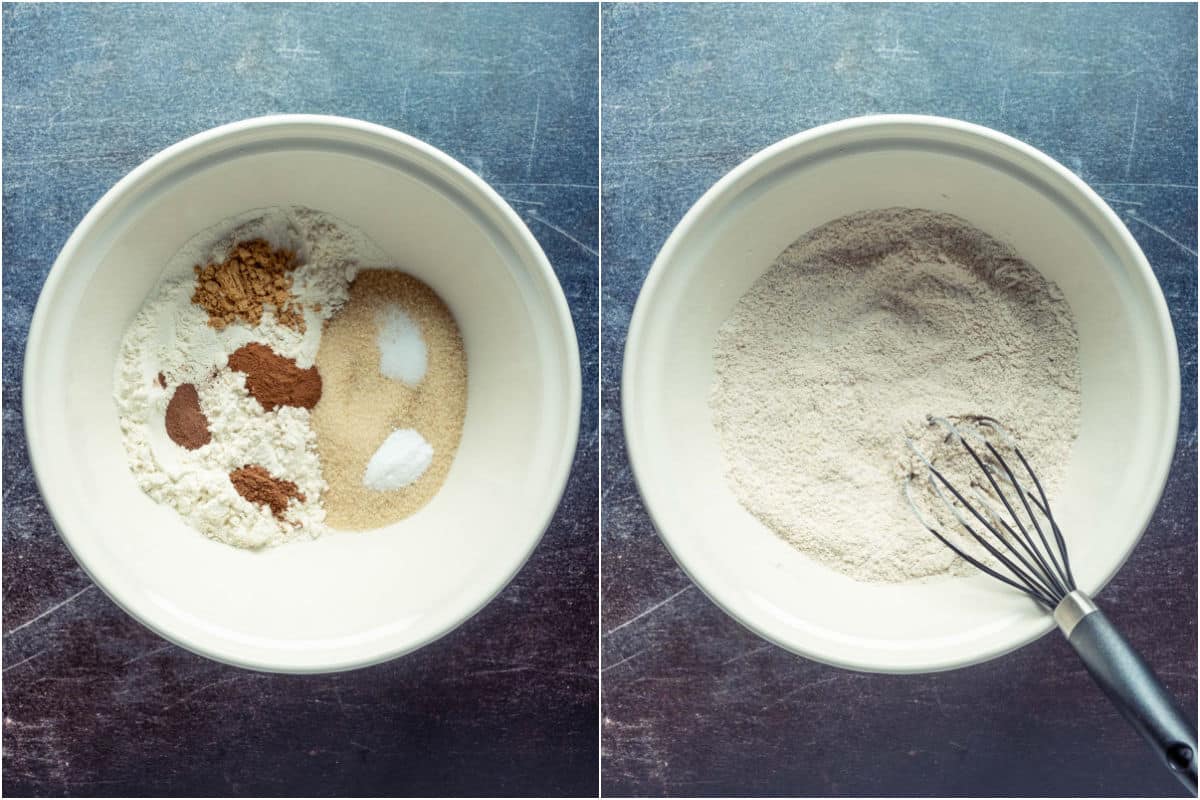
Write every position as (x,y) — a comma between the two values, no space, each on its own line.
(348,598)
(1128,364)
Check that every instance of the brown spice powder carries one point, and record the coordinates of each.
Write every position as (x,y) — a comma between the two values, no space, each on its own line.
(262,488)
(275,380)
(360,407)
(253,277)
(186,423)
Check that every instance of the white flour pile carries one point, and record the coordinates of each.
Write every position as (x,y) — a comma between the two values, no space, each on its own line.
(858,331)
(171,335)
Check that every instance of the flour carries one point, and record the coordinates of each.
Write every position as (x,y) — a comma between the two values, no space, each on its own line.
(859,331)
(171,336)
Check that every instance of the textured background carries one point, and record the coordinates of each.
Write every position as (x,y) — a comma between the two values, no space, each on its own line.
(694,703)
(96,704)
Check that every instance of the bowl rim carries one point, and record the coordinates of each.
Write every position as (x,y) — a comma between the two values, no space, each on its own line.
(480,193)
(916,126)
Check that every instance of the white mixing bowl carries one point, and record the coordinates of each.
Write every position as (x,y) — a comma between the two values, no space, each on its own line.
(1130,383)
(348,599)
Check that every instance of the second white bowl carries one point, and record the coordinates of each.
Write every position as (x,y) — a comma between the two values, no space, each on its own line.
(1129,364)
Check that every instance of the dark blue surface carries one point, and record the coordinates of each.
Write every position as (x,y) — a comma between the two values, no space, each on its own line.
(694,703)
(96,704)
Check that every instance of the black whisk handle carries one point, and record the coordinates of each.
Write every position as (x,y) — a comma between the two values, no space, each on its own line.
(1131,685)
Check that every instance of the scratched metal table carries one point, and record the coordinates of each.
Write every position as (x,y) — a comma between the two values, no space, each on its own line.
(96,704)
(694,703)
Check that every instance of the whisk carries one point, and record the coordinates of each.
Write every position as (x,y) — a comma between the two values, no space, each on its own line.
(1028,553)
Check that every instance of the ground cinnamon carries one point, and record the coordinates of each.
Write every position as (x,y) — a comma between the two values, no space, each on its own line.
(186,423)
(275,380)
(258,486)
(253,276)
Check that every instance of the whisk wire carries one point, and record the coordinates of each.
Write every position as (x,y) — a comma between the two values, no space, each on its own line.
(1024,540)
(1058,572)
(1044,506)
(979,565)
(1029,584)
(999,521)
(1012,540)
(1027,576)
(1035,567)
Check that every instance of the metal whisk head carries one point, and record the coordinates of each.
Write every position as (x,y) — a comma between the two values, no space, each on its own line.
(1029,551)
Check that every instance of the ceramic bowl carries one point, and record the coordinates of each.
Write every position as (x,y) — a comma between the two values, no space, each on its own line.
(347,599)
(1129,365)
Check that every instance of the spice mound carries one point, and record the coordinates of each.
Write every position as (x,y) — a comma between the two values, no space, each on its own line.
(856,333)
(237,381)
(253,277)
(185,421)
(275,380)
(259,486)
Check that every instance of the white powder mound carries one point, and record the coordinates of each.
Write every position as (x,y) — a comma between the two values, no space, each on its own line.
(171,335)
(403,355)
(401,459)
(858,332)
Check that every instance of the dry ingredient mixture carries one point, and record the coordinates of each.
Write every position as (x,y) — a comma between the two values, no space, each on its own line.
(217,385)
(859,331)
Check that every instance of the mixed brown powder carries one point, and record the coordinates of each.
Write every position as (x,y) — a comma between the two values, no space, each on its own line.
(253,277)
(359,407)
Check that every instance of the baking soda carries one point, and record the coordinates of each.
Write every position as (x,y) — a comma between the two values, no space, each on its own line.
(400,460)
(402,352)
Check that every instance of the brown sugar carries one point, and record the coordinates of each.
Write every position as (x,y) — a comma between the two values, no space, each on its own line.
(360,407)
(253,277)
(186,423)
(275,380)
(261,487)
